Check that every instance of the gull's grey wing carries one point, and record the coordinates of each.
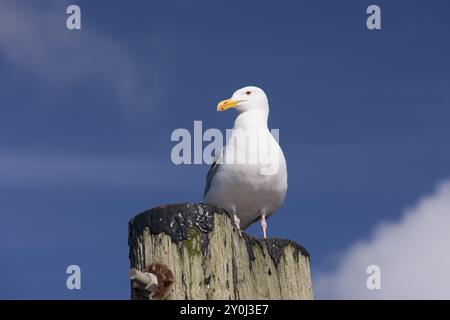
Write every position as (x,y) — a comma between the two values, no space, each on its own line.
(210,176)
(212,171)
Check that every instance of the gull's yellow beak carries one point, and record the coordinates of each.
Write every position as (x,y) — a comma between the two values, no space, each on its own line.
(227,104)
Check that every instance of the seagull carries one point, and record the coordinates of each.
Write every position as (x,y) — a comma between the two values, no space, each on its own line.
(248,177)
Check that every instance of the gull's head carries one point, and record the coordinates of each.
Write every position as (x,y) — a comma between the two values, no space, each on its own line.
(246,99)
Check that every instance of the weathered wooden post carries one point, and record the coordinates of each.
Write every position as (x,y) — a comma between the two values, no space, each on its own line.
(198,254)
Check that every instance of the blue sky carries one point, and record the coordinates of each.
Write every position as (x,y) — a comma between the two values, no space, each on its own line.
(86,118)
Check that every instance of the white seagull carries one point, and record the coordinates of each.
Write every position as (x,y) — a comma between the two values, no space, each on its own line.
(249,176)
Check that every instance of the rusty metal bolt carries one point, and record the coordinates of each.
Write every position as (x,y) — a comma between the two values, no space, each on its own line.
(146,281)
(154,282)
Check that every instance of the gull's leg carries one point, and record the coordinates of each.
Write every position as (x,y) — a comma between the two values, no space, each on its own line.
(237,223)
(263,225)
(236,220)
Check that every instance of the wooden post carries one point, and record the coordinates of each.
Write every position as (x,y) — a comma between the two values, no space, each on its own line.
(209,260)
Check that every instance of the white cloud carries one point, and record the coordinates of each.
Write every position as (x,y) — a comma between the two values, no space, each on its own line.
(413,254)
(34,38)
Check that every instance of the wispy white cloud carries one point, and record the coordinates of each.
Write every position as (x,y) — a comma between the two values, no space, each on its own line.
(413,255)
(31,170)
(34,38)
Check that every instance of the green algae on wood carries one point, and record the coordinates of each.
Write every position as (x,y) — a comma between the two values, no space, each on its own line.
(209,259)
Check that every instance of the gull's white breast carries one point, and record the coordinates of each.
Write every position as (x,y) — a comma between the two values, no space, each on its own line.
(250,189)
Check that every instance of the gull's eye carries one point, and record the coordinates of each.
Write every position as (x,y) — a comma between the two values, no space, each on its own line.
(248,93)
